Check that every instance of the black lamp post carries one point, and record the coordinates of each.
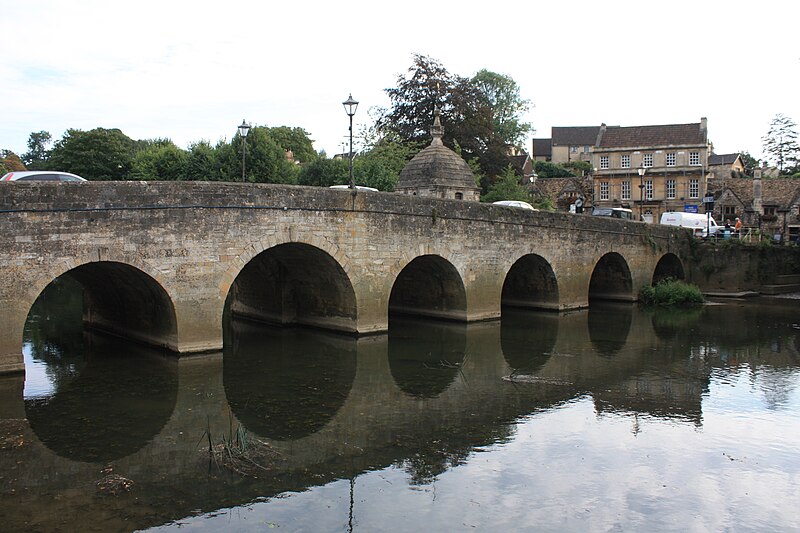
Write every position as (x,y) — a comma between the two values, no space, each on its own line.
(350,107)
(244,129)
(642,169)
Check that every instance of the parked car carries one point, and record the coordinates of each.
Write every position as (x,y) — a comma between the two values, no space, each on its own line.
(356,187)
(41,175)
(515,203)
(613,212)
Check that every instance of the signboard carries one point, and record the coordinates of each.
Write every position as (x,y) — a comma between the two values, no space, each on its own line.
(689,208)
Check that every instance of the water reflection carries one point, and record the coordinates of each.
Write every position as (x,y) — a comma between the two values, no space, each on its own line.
(609,325)
(425,356)
(419,430)
(287,383)
(528,338)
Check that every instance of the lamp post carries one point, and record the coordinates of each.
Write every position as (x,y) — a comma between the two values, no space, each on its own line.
(244,129)
(642,169)
(350,107)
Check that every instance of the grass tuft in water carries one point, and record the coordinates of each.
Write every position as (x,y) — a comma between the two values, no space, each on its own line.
(671,292)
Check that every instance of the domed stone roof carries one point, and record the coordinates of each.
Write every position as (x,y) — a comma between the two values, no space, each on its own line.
(438,171)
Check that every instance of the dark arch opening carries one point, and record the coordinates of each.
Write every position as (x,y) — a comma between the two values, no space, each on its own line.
(668,267)
(531,283)
(611,279)
(429,286)
(295,284)
(89,396)
(124,301)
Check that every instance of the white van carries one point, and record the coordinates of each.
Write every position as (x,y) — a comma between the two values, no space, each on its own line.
(699,223)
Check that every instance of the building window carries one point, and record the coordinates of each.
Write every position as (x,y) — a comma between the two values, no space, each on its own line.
(573,149)
(625,161)
(670,189)
(694,158)
(585,149)
(604,162)
(647,160)
(626,190)
(604,190)
(648,189)
(459,196)
(670,159)
(694,188)
(729,211)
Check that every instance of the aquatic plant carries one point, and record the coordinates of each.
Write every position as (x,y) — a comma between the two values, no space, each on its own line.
(671,292)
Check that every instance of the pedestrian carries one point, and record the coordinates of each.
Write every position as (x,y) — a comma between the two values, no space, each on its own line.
(738,226)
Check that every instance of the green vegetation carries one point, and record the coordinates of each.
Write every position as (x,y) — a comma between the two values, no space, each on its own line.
(671,292)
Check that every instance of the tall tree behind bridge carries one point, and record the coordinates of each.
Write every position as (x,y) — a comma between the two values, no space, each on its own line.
(37,155)
(780,143)
(481,116)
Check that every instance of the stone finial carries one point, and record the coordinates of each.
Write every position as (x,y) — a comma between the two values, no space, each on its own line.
(437,131)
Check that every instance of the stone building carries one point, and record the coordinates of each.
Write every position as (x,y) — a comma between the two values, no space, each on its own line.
(651,169)
(438,172)
(771,206)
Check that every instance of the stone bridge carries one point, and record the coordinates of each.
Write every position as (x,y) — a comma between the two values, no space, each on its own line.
(161,262)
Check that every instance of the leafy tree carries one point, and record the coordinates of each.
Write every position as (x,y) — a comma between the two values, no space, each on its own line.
(98,154)
(202,163)
(381,164)
(480,116)
(750,163)
(506,187)
(37,155)
(502,95)
(265,160)
(159,160)
(296,140)
(10,162)
(324,172)
(546,169)
(780,142)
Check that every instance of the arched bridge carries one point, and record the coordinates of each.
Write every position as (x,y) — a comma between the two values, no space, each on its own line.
(161,261)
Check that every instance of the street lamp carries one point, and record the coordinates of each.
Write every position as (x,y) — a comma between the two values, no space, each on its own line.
(244,129)
(350,107)
(642,169)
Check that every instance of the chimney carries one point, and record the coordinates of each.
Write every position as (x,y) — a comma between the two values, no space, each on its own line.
(757,206)
(703,124)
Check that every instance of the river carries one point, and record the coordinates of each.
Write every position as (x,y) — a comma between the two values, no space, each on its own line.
(615,418)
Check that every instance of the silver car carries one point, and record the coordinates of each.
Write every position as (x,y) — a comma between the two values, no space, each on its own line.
(41,175)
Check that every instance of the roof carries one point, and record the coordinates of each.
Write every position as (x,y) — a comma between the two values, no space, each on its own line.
(575,135)
(779,192)
(437,166)
(652,136)
(542,147)
(722,159)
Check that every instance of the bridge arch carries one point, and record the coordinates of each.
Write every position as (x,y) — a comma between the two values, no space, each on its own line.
(531,282)
(119,298)
(429,286)
(295,283)
(668,267)
(611,279)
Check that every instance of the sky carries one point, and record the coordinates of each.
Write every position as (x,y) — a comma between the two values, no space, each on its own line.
(192,71)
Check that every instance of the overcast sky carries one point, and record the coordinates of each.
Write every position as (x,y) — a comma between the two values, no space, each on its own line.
(192,71)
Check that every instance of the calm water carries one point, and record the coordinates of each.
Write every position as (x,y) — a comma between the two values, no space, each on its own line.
(610,419)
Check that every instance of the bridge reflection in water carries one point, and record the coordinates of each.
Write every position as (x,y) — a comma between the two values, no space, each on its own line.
(420,400)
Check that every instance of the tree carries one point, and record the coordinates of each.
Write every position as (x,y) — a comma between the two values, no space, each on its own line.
(546,169)
(480,116)
(10,162)
(502,95)
(159,160)
(37,155)
(265,160)
(324,172)
(202,163)
(750,163)
(295,140)
(381,164)
(98,154)
(506,187)
(780,142)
